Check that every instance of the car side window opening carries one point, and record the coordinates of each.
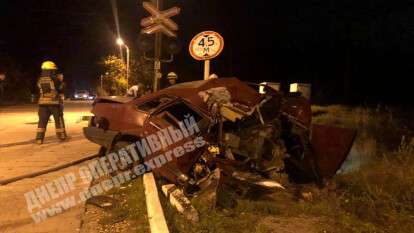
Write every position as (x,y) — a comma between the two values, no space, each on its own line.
(180,111)
(153,104)
(170,119)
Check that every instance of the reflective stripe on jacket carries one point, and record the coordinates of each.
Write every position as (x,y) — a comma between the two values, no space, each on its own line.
(48,93)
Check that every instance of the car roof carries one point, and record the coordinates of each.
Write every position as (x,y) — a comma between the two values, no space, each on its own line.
(240,92)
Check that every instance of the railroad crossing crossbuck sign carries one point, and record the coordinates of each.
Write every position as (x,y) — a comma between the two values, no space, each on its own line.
(159,21)
(206,46)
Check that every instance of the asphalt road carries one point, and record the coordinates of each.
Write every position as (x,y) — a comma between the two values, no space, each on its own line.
(18,122)
(19,156)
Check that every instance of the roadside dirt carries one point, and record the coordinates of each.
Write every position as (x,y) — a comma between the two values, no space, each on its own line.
(121,210)
(300,224)
(286,220)
(97,220)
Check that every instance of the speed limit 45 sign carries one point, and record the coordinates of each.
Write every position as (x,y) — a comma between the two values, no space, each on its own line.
(206,45)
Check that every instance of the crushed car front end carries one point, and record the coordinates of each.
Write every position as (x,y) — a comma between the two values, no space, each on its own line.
(203,133)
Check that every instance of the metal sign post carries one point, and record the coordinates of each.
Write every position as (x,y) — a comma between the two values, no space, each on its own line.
(159,23)
(206,69)
(206,46)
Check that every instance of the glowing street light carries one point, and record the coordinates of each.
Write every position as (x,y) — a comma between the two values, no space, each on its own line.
(120,42)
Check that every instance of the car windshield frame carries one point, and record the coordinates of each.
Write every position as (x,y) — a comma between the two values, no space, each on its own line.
(154,109)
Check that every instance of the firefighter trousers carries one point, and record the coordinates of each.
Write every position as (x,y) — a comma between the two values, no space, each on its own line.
(44,114)
(62,119)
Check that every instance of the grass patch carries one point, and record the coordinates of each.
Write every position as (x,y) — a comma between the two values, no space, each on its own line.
(136,206)
(132,208)
(382,192)
(379,196)
(383,124)
(244,218)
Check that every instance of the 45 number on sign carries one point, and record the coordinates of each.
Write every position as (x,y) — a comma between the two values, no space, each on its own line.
(206,46)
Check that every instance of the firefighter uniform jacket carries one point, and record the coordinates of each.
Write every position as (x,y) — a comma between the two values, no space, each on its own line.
(49,93)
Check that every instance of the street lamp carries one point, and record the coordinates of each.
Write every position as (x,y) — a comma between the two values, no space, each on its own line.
(120,42)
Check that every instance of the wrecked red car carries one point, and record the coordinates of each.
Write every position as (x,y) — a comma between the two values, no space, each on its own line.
(223,123)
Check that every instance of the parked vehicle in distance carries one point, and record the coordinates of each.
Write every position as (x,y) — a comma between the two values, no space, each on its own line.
(83,95)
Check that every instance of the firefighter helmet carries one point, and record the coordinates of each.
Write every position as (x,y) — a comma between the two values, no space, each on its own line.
(49,65)
(172,75)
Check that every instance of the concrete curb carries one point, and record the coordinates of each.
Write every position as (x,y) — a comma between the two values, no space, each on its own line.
(156,217)
(45,171)
(180,202)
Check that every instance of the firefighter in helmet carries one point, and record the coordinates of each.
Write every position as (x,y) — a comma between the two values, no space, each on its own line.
(172,78)
(49,102)
(61,87)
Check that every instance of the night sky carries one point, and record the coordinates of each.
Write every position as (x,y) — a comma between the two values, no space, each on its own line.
(350,50)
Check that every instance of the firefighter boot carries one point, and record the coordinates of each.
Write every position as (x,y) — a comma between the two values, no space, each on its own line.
(61,134)
(62,120)
(40,135)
